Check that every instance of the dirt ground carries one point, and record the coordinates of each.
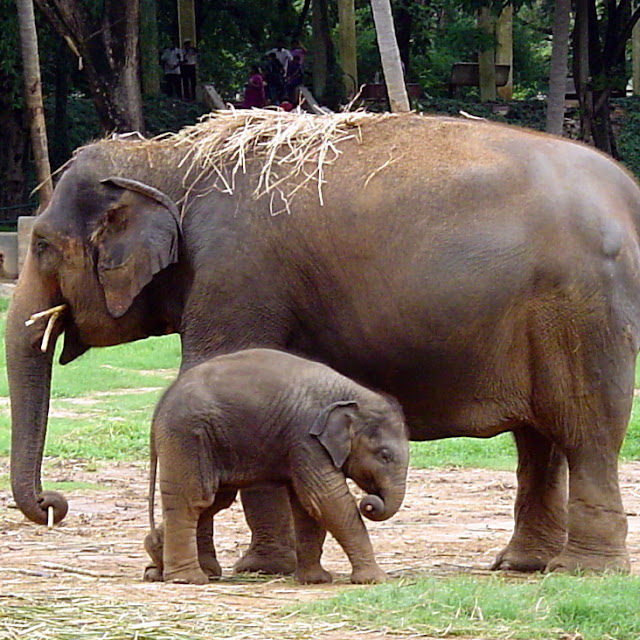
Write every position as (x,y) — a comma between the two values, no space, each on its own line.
(453,521)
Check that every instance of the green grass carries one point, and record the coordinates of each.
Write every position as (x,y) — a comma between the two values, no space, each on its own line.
(490,607)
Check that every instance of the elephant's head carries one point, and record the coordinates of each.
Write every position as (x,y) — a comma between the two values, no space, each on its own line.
(92,252)
(368,440)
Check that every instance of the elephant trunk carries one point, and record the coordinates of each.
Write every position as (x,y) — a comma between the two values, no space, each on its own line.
(384,504)
(29,374)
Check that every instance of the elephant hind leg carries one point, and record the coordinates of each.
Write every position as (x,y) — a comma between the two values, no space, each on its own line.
(541,504)
(597,522)
(272,548)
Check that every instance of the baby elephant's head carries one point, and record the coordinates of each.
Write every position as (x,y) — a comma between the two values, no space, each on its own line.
(368,440)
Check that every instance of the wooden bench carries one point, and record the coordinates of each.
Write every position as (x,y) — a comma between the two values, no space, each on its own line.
(467,74)
(376,92)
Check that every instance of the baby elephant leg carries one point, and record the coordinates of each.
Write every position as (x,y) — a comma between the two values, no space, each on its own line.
(184,498)
(338,513)
(206,549)
(309,540)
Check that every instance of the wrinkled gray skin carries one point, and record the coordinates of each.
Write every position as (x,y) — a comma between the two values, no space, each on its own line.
(486,276)
(268,418)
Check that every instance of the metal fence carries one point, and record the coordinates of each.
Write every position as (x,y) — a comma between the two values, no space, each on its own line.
(9,215)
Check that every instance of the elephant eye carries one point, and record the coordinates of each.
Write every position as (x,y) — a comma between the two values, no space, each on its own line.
(386,455)
(40,245)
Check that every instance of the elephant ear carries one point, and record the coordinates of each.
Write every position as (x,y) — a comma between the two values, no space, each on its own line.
(136,237)
(333,428)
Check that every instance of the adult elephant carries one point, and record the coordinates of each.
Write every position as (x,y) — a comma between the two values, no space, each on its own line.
(487,276)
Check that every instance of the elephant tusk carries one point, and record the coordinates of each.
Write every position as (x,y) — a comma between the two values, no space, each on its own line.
(43,314)
(53,314)
(50,518)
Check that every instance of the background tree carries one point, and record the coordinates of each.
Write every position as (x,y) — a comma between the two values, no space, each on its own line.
(33,98)
(558,67)
(390,56)
(600,37)
(15,134)
(106,41)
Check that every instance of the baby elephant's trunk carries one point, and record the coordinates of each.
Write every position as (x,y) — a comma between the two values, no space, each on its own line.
(383,506)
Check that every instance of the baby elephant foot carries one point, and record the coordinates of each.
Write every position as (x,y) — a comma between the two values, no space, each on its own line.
(186,576)
(368,575)
(316,575)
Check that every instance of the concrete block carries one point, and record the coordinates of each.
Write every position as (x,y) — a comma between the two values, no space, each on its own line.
(24,237)
(9,248)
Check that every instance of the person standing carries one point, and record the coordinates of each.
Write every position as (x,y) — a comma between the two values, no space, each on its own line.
(274,78)
(293,79)
(297,49)
(282,53)
(254,90)
(188,70)
(170,61)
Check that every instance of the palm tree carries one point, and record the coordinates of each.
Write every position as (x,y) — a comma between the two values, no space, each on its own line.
(33,98)
(390,56)
(558,67)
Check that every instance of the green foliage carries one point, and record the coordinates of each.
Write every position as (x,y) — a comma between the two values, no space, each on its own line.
(10,60)
(627,123)
(491,607)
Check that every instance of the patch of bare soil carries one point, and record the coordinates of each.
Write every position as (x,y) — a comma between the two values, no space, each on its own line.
(453,521)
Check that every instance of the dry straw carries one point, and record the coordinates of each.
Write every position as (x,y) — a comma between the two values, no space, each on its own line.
(292,149)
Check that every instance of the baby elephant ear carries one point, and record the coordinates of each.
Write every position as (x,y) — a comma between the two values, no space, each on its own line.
(136,237)
(333,428)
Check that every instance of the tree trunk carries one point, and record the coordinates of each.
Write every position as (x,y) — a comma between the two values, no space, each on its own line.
(320,28)
(348,57)
(558,67)
(149,67)
(187,21)
(487,58)
(33,99)
(504,49)
(109,53)
(581,68)
(13,159)
(390,56)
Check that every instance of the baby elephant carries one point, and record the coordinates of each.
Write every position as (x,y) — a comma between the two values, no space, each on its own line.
(265,417)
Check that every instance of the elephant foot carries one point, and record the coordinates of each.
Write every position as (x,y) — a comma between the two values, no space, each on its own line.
(316,575)
(186,576)
(510,559)
(210,565)
(152,574)
(529,552)
(369,575)
(277,562)
(571,562)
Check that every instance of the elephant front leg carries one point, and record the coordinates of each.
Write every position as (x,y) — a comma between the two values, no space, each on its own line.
(309,540)
(272,549)
(540,509)
(333,506)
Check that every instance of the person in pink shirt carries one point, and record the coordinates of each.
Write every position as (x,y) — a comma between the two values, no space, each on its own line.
(254,90)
